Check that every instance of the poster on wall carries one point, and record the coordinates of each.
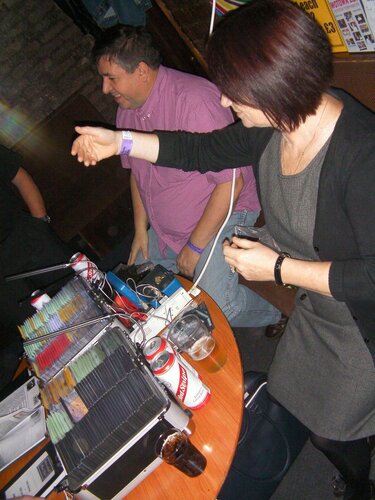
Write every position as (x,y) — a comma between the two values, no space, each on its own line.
(353,23)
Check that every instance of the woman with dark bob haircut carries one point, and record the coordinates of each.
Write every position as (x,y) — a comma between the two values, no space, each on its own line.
(313,152)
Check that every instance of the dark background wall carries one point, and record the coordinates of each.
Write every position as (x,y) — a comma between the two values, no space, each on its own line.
(44,60)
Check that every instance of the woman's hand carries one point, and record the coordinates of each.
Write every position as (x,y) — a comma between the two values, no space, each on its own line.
(256,262)
(95,144)
(251,259)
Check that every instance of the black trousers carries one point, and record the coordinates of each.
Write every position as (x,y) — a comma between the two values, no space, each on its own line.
(353,460)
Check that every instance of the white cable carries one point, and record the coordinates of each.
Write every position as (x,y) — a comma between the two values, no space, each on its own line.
(253,396)
(134,288)
(213,11)
(195,284)
(157,294)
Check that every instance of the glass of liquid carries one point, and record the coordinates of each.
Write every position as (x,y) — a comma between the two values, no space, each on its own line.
(175,448)
(191,335)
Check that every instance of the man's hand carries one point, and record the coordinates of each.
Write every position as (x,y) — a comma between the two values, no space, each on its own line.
(187,261)
(95,144)
(140,243)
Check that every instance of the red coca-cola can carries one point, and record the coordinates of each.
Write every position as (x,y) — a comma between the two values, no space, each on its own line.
(187,386)
(156,345)
(83,266)
(39,298)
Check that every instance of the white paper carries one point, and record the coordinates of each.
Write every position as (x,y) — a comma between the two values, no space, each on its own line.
(369,7)
(353,24)
(22,422)
(32,481)
(18,405)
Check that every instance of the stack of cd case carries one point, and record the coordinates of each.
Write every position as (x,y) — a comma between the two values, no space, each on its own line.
(104,408)
(73,305)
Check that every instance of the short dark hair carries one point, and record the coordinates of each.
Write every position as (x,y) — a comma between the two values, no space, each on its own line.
(271,55)
(127,46)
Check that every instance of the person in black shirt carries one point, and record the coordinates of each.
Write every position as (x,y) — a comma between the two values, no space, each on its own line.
(27,243)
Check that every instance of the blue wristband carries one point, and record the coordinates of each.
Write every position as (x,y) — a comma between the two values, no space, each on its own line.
(195,249)
(127,143)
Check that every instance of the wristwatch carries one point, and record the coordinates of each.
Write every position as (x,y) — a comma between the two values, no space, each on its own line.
(46,218)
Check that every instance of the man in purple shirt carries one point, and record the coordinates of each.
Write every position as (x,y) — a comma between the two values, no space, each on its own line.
(177,214)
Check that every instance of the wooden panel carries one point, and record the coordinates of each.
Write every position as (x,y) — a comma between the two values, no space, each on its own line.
(355,73)
(111,226)
(190,21)
(74,195)
(175,52)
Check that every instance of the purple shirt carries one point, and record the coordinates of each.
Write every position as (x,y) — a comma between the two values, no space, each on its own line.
(175,200)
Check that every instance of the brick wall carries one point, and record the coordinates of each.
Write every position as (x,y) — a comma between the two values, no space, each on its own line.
(44,59)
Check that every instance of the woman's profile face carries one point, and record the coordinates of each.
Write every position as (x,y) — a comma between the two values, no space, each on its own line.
(249,116)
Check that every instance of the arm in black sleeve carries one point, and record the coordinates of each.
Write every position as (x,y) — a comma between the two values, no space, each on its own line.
(231,147)
(353,279)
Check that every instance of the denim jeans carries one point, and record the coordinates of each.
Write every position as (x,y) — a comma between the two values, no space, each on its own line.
(241,306)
